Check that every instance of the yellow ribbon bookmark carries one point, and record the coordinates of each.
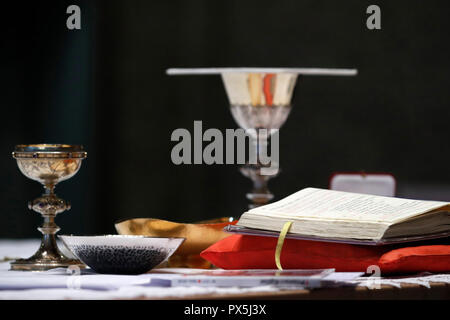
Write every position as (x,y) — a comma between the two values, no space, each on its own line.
(280,243)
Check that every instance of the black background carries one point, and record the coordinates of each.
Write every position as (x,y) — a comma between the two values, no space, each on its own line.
(105,87)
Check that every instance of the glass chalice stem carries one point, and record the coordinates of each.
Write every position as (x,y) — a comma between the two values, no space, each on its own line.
(260,193)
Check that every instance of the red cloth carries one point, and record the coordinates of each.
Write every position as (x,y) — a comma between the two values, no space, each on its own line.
(255,252)
(432,258)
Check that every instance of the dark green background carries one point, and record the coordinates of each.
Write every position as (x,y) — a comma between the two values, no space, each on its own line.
(105,87)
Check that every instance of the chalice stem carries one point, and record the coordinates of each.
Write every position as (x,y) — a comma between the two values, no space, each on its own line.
(260,193)
(48,205)
(48,248)
(48,230)
(49,188)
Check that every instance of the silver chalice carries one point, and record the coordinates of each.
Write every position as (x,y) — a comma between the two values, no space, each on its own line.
(260,98)
(48,164)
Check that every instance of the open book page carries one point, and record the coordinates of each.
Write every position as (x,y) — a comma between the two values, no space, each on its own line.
(337,205)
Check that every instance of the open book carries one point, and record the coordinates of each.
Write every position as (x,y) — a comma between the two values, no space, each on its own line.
(328,215)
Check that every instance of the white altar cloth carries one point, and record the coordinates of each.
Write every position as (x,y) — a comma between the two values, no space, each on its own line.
(59,284)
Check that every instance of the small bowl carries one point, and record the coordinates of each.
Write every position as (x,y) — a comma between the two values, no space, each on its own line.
(120,254)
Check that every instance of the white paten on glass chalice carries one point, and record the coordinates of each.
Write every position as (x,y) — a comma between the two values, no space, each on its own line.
(260,98)
(48,164)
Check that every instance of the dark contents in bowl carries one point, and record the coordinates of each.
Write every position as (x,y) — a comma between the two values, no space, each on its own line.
(120,260)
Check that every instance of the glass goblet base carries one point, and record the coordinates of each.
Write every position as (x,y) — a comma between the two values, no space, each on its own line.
(260,193)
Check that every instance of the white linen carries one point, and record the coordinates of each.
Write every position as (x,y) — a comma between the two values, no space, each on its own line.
(59,284)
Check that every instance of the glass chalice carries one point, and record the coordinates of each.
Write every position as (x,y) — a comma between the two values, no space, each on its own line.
(260,98)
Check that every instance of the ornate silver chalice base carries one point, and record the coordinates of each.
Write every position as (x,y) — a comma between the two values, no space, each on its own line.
(260,98)
(48,164)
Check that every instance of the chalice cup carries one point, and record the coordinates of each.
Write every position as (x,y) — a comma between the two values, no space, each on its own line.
(260,98)
(48,164)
